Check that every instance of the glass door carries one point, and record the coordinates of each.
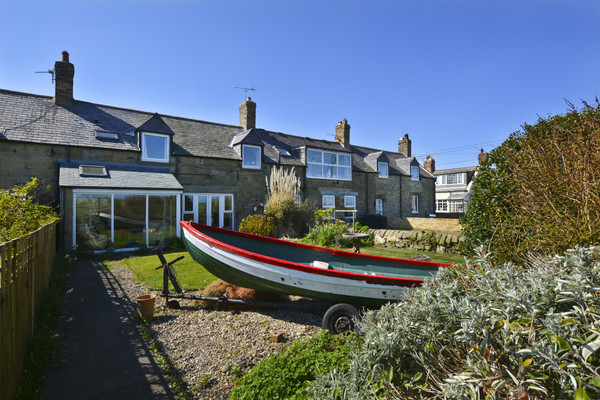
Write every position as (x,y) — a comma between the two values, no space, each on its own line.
(209,209)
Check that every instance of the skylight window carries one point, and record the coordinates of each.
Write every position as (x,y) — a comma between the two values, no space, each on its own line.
(282,151)
(92,170)
(107,135)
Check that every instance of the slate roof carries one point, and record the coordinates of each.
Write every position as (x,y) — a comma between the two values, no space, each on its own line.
(156,125)
(35,118)
(454,170)
(119,176)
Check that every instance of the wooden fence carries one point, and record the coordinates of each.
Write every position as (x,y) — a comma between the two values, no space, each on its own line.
(25,267)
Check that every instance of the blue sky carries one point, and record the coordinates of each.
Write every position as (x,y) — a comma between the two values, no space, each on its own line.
(455,75)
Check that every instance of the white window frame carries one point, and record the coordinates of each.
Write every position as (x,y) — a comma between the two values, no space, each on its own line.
(379,206)
(458,178)
(222,210)
(245,158)
(450,206)
(415,204)
(337,165)
(441,206)
(350,202)
(415,173)
(383,169)
(167,149)
(328,198)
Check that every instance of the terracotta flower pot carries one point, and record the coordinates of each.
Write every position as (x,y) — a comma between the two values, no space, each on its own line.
(146,305)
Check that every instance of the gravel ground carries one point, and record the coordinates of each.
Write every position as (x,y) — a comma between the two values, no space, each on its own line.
(208,346)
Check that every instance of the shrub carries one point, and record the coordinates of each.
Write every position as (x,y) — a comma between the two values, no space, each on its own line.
(257,225)
(20,213)
(327,232)
(287,375)
(290,217)
(538,190)
(480,332)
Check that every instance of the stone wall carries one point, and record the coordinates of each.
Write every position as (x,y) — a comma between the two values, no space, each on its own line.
(417,240)
(447,225)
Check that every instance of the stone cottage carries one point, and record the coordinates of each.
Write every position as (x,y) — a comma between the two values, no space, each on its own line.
(129,177)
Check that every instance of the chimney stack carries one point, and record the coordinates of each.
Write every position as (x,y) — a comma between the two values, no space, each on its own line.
(482,156)
(342,132)
(248,114)
(63,75)
(430,164)
(404,146)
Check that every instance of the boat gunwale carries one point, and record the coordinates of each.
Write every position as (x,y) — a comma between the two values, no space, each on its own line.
(193,229)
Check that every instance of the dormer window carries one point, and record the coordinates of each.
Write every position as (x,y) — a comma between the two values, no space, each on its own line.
(250,156)
(414,173)
(155,147)
(382,167)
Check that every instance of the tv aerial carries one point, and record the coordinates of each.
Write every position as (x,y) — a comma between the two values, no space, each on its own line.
(50,71)
(246,90)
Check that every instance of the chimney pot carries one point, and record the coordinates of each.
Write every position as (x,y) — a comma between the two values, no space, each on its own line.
(65,56)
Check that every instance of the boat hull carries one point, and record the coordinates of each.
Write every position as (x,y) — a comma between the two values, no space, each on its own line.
(246,269)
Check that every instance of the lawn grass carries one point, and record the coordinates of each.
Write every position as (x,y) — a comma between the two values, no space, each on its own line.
(404,253)
(192,276)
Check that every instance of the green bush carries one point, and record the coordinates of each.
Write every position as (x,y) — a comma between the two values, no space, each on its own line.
(538,191)
(257,225)
(481,332)
(20,214)
(287,375)
(328,232)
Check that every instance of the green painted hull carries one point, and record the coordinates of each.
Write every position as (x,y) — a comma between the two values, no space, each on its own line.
(279,266)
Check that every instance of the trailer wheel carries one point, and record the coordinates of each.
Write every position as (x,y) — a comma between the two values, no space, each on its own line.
(341,318)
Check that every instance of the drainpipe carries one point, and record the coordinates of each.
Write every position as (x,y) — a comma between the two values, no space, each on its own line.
(367,190)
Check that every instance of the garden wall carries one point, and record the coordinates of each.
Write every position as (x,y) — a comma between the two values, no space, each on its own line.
(447,225)
(417,240)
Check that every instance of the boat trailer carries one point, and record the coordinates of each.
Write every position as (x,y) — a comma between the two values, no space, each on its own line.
(338,318)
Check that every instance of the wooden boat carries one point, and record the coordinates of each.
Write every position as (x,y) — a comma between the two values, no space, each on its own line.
(291,268)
